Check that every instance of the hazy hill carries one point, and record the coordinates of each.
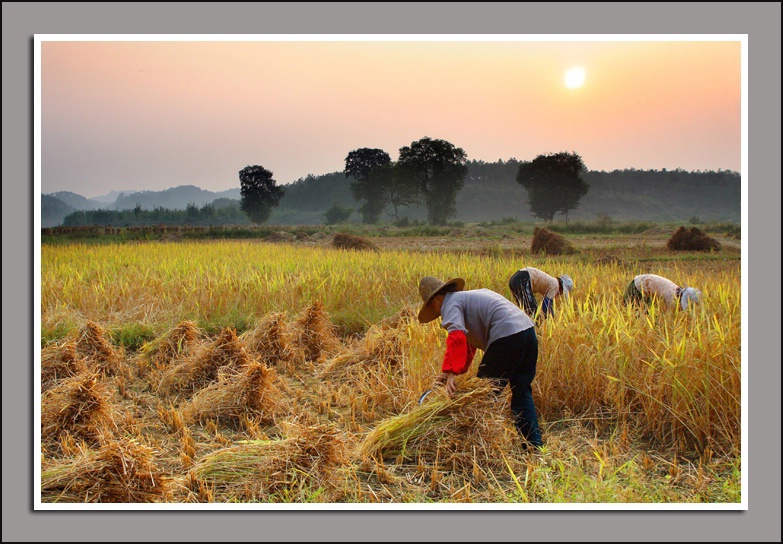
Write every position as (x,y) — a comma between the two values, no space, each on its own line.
(76,201)
(53,211)
(176,198)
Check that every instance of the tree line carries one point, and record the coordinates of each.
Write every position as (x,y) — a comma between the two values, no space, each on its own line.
(429,173)
(217,213)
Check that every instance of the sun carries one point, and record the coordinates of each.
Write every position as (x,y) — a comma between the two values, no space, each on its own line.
(575,77)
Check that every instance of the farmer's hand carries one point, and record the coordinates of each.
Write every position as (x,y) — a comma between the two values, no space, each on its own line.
(448,378)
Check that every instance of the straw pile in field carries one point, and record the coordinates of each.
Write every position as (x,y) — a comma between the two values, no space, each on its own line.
(314,333)
(119,472)
(692,239)
(201,369)
(257,469)
(343,240)
(250,393)
(550,243)
(380,348)
(175,344)
(59,362)
(472,427)
(100,354)
(80,407)
(272,342)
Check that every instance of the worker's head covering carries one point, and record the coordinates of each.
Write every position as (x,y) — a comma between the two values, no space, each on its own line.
(689,294)
(430,286)
(568,284)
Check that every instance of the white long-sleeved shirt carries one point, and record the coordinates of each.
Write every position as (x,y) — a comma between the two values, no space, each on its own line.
(654,285)
(542,283)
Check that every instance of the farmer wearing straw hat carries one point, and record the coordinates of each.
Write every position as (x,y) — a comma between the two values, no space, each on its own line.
(486,320)
(644,287)
(527,282)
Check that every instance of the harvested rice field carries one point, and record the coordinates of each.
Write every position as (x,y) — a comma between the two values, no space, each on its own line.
(251,372)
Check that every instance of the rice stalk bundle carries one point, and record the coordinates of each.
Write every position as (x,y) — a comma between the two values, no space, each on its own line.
(379,347)
(59,362)
(101,356)
(315,334)
(225,354)
(80,407)
(470,427)
(250,393)
(258,469)
(121,471)
(272,342)
(175,344)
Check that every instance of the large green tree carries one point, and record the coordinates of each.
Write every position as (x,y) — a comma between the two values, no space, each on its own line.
(438,168)
(554,183)
(259,193)
(363,164)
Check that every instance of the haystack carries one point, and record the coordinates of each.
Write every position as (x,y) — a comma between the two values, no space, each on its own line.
(101,356)
(315,334)
(550,243)
(472,427)
(174,345)
(251,393)
(58,362)
(80,407)
(692,239)
(343,240)
(227,354)
(119,472)
(380,348)
(280,236)
(272,342)
(304,461)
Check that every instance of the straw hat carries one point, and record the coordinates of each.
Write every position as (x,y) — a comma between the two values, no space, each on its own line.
(430,286)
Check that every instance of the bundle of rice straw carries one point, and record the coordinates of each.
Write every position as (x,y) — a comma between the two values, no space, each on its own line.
(201,369)
(99,352)
(379,347)
(550,243)
(250,393)
(173,345)
(470,427)
(272,342)
(257,469)
(119,472)
(315,333)
(59,362)
(79,406)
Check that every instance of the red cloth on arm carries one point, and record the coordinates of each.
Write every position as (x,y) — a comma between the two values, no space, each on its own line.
(459,353)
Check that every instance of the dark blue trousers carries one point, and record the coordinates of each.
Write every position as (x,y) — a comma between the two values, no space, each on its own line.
(512,361)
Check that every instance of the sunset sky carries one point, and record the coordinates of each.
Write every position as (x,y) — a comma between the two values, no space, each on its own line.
(149,115)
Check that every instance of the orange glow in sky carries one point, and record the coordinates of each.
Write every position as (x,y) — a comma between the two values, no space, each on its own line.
(156,114)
